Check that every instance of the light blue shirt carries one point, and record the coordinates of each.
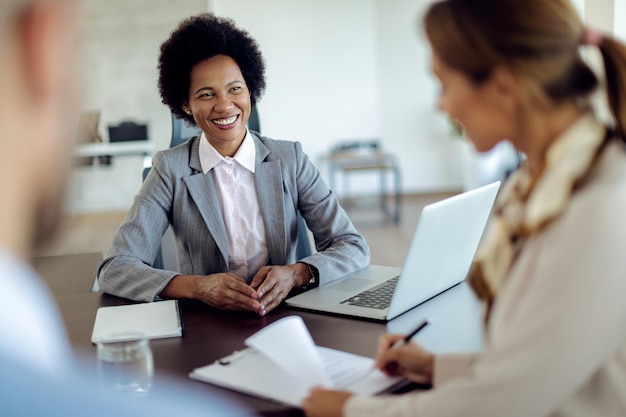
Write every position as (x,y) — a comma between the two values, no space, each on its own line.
(31,329)
(39,376)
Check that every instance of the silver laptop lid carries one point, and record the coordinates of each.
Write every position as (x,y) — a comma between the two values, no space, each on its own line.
(443,247)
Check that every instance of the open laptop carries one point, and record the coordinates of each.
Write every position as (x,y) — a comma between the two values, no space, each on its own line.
(440,255)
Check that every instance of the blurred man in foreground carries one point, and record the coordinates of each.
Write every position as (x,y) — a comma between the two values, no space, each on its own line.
(39,108)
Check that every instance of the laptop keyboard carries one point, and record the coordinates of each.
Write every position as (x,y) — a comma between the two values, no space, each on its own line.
(378,297)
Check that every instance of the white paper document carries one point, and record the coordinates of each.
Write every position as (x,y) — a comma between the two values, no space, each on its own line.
(153,320)
(283,364)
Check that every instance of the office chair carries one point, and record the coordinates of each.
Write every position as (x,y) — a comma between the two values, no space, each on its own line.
(128,131)
(254,123)
(181,132)
(303,244)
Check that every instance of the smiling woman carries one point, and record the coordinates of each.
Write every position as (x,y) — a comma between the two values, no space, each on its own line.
(230,195)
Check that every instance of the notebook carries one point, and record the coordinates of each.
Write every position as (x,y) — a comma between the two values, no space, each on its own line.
(152,320)
(439,257)
(282,364)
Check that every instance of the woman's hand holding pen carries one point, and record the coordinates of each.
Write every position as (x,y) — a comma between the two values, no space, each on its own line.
(409,360)
(405,359)
(396,357)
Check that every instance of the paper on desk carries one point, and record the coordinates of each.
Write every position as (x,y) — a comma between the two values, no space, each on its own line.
(283,364)
(288,344)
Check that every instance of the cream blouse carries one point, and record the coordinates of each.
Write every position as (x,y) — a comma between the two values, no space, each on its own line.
(556,336)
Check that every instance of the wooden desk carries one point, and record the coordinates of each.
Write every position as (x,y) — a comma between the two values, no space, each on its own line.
(66,274)
(210,334)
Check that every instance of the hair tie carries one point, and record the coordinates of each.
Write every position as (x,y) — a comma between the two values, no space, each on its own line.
(592,37)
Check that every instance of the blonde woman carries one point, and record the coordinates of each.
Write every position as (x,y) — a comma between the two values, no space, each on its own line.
(552,268)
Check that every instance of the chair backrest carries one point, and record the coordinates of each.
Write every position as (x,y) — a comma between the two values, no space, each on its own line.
(356,145)
(181,131)
(254,122)
(303,244)
(128,131)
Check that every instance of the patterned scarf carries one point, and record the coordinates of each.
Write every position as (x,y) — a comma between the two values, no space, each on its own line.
(527,204)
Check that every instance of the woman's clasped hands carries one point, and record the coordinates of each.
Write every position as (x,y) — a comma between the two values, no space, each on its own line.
(268,288)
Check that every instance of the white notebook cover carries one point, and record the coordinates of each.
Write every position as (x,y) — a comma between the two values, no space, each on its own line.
(153,320)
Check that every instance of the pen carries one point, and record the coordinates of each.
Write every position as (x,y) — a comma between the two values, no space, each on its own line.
(409,336)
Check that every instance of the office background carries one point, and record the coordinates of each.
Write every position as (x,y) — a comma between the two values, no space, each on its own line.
(336,70)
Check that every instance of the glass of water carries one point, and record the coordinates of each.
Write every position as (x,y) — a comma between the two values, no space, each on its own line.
(126,365)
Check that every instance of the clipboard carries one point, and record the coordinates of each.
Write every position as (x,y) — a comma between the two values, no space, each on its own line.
(253,372)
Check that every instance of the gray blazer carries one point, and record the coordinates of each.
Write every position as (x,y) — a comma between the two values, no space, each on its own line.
(177,192)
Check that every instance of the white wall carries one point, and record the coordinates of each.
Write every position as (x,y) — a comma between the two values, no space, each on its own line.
(351,69)
(321,68)
(619,25)
(122,39)
(580,6)
(412,127)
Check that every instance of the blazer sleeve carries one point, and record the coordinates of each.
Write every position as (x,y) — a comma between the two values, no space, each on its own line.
(341,249)
(126,270)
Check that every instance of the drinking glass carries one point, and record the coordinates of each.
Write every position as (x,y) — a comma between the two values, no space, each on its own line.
(126,365)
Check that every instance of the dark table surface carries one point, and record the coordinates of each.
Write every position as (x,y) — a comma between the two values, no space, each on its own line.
(210,334)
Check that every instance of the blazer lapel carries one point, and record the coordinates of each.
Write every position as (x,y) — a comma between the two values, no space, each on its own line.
(203,191)
(269,184)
